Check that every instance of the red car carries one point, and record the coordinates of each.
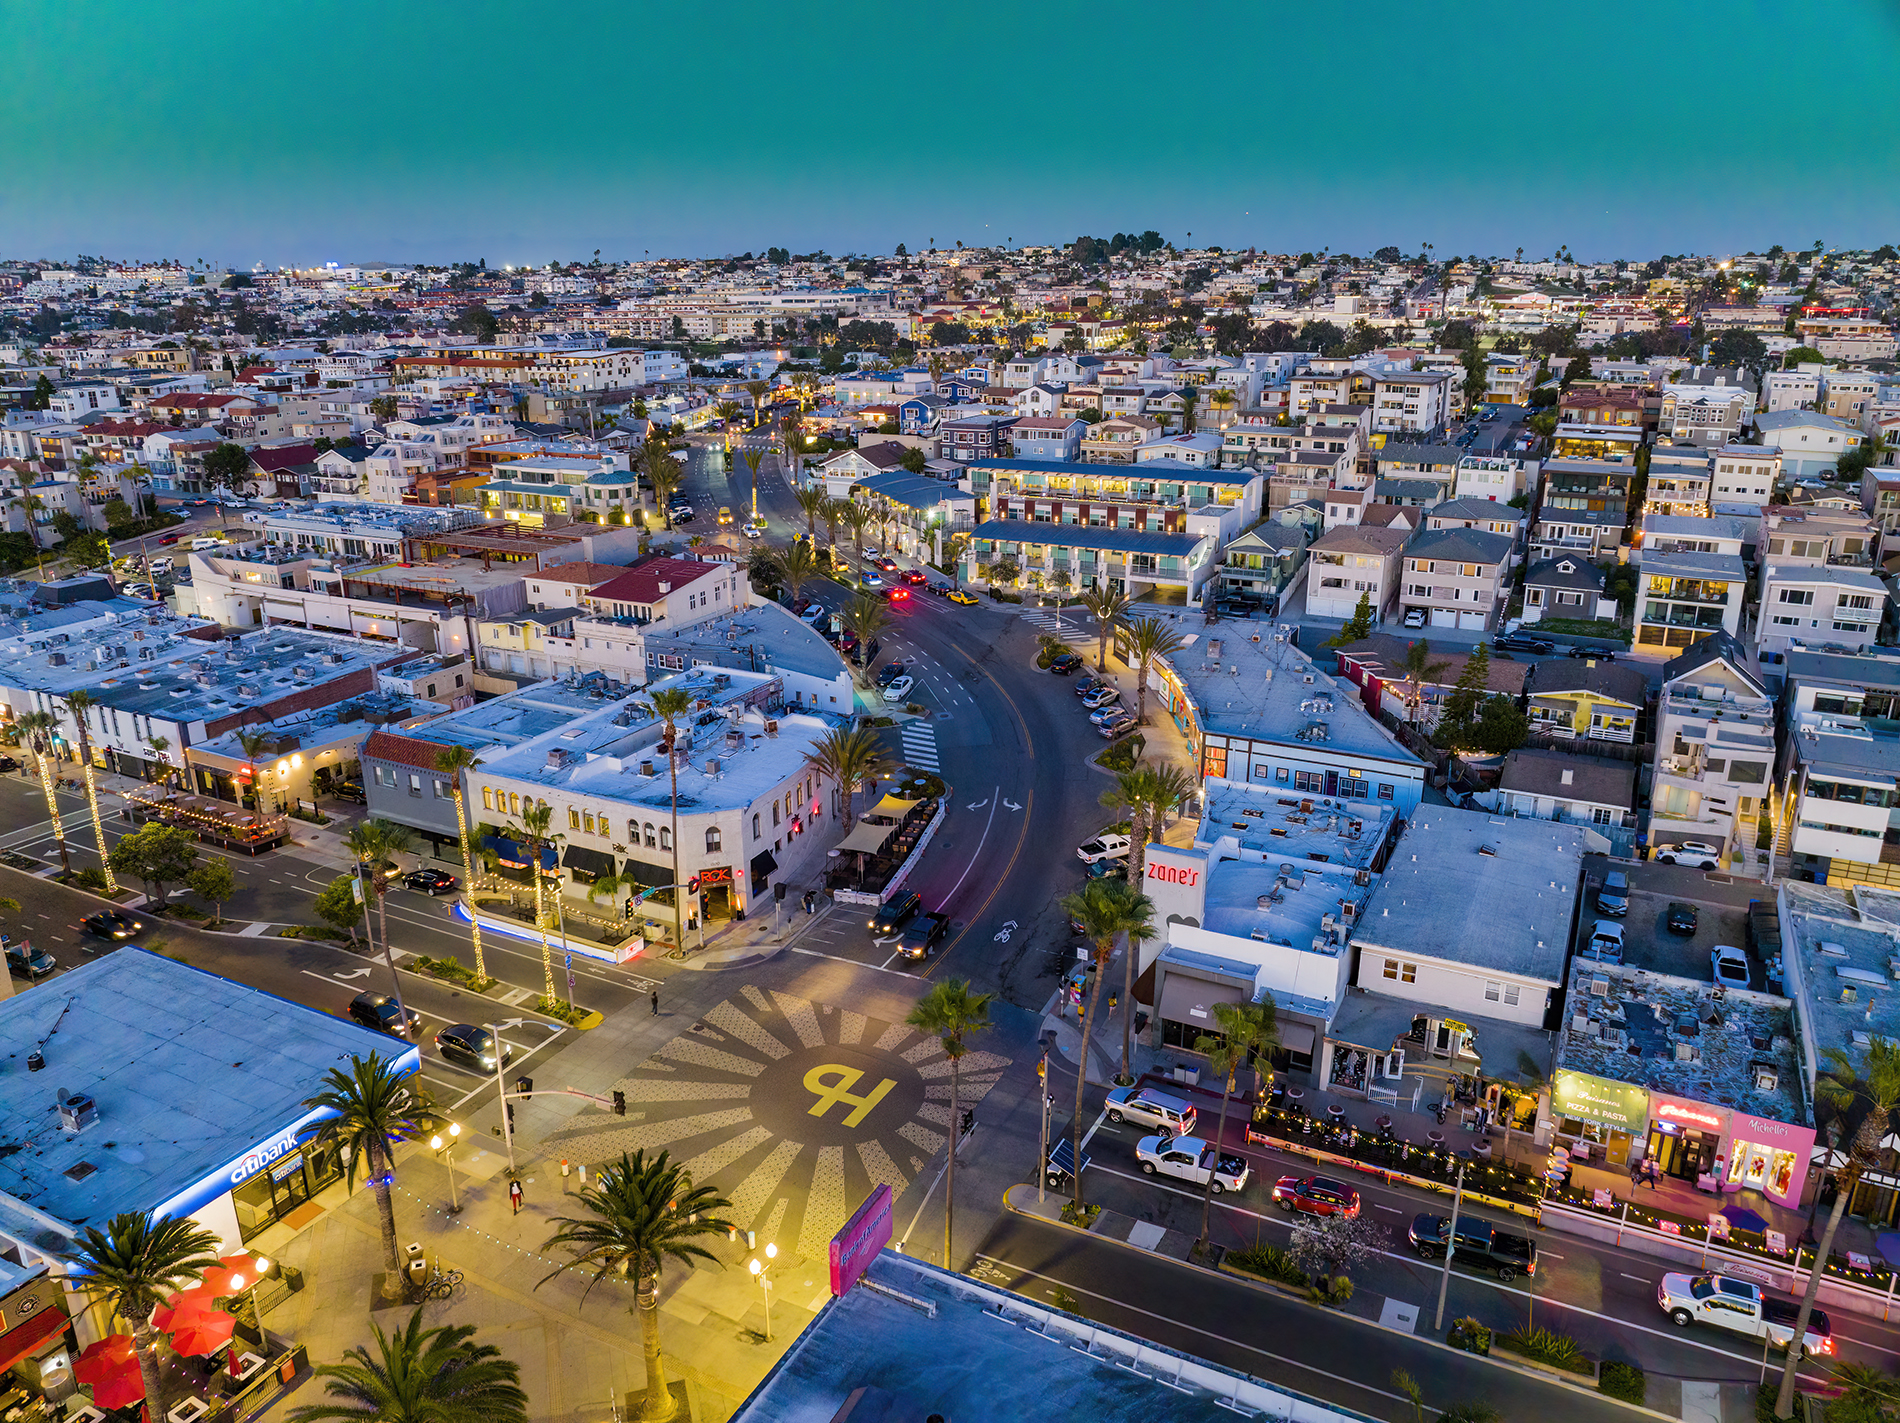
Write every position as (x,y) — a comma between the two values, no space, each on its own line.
(1315,1195)
(169,539)
(915,577)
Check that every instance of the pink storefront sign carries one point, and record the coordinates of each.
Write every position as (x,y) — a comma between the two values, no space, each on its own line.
(1768,1156)
(856,1246)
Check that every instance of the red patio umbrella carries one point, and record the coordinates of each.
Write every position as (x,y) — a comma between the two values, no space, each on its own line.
(204,1334)
(182,1308)
(120,1389)
(109,1356)
(231,1274)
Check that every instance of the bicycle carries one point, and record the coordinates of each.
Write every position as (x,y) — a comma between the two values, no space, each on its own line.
(441,1283)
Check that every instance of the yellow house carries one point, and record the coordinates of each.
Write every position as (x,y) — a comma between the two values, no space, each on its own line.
(521,645)
(1587,700)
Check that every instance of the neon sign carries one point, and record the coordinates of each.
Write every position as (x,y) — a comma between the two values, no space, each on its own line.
(1677,1112)
(1173,874)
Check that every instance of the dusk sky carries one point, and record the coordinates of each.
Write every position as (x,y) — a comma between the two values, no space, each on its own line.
(523,133)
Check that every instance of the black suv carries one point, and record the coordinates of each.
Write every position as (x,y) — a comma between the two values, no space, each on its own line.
(29,962)
(1523,642)
(894,915)
(110,924)
(469,1046)
(379,1011)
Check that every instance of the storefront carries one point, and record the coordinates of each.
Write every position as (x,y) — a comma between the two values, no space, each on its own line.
(1189,985)
(1596,1118)
(278,1190)
(1685,1138)
(36,1341)
(1767,1156)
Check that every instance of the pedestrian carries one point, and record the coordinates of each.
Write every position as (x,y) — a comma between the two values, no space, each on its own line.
(656,1002)
(1113,1000)
(514,1195)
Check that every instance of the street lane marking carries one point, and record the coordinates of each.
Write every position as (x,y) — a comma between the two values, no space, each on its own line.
(1638,1278)
(837,958)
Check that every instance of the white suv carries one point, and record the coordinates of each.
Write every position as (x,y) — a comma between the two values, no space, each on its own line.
(1170,1115)
(1699,853)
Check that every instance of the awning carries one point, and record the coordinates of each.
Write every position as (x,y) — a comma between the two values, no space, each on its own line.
(588,860)
(642,873)
(763,864)
(867,838)
(1191,1000)
(20,1341)
(512,854)
(891,805)
(1296,1037)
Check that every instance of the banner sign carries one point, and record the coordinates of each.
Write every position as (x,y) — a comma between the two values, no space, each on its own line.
(856,1246)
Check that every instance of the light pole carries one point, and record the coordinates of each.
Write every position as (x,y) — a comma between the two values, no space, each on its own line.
(507,1127)
(1451,1246)
(447,1148)
(763,1274)
(1042,1086)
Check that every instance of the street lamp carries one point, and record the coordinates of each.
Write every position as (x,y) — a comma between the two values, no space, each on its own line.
(447,1148)
(763,1274)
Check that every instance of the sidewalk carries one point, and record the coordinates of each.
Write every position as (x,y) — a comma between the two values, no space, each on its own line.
(740,944)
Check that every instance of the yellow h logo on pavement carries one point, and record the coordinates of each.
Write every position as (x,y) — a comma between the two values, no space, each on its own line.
(832,1082)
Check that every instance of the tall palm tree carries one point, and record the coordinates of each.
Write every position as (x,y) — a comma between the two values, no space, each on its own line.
(662,470)
(727,411)
(1149,638)
(1246,1031)
(254,744)
(372,1107)
(1147,791)
(1419,669)
(1106,909)
(797,566)
(420,1376)
(532,832)
(1222,399)
(866,618)
(79,703)
(811,503)
(1108,607)
(376,843)
(160,745)
(130,1266)
(669,705)
(457,762)
(1875,1090)
(792,430)
(952,1013)
(833,515)
(850,756)
(758,390)
(36,731)
(641,1211)
(857,518)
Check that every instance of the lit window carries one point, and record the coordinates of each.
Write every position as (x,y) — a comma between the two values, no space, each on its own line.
(488,798)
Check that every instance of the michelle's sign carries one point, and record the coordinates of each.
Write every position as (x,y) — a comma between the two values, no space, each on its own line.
(856,1246)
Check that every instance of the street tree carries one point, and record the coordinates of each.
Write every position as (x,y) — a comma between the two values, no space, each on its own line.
(1356,628)
(1244,1033)
(339,907)
(851,757)
(156,855)
(1106,909)
(1148,639)
(1108,606)
(226,466)
(1147,791)
(456,762)
(670,705)
(214,882)
(419,1375)
(36,730)
(951,1012)
(79,703)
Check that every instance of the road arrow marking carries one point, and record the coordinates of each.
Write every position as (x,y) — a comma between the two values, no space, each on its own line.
(1011,804)
(345,977)
(979,805)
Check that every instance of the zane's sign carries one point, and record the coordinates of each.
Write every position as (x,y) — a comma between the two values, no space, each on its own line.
(1173,874)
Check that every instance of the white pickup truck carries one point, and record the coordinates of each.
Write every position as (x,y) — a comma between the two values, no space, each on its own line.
(1741,1307)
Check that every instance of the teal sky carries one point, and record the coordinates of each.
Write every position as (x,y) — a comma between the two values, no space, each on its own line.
(301,131)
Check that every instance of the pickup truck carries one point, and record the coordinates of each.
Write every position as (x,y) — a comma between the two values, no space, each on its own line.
(1742,1307)
(893,915)
(923,935)
(1481,1245)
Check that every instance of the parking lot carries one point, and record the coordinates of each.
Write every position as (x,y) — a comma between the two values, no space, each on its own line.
(1721,917)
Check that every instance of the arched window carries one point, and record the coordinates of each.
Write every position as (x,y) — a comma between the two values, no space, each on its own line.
(633,832)
(712,838)
(775,812)
(650,840)
(755,827)
(666,838)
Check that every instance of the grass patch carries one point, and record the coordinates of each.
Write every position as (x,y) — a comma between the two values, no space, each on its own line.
(1581,627)
(310,931)
(1270,1263)
(1546,1346)
(1622,1381)
(571,1014)
(451,969)
(191,912)
(881,722)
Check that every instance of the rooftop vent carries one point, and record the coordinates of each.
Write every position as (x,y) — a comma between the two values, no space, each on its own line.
(1766,1077)
(712,766)
(77,1111)
(1488,850)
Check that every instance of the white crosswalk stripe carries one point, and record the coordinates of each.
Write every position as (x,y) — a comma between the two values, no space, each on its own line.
(920,745)
(1048,623)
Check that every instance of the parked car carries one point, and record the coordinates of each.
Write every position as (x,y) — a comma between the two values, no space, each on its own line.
(7,763)
(813,614)
(1066,665)
(27,961)
(1103,715)
(1118,726)
(1523,642)
(1480,1245)
(894,914)
(1593,653)
(466,1045)
(1414,618)
(957,595)
(430,881)
(1107,869)
(923,935)
(1699,853)
(1085,685)
(1613,898)
(1101,697)
(1681,919)
(899,689)
(1741,1307)
(1606,942)
(1729,965)
(891,671)
(1315,1195)
(110,924)
(1188,1158)
(1148,1106)
(351,791)
(1103,847)
(380,1012)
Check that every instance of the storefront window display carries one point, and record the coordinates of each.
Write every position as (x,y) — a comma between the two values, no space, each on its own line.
(1762,1168)
(1768,1156)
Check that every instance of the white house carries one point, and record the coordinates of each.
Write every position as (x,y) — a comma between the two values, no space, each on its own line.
(1809,443)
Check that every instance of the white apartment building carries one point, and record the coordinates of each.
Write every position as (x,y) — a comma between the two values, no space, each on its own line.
(1809,443)
(1798,389)
(1810,603)
(1697,414)
(1353,560)
(1488,477)
(1714,763)
(1411,400)
(1745,478)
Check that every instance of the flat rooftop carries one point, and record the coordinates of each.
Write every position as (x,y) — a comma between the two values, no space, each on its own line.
(190,1072)
(440,576)
(1489,891)
(1260,822)
(925,1342)
(761,637)
(304,731)
(1683,1037)
(522,715)
(1839,949)
(261,666)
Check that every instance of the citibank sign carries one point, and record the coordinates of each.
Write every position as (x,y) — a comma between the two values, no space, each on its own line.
(262,1156)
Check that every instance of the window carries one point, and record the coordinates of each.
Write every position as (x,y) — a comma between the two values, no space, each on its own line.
(587,823)
(1510,995)
(415,784)
(385,776)
(1385,791)
(1401,972)
(774,812)
(712,839)
(514,802)
(1493,991)
(650,841)
(488,798)
(755,827)
(666,838)
(574,819)
(444,791)
(1308,781)
(1281,775)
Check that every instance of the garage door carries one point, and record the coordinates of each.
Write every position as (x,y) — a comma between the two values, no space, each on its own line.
(1471,620)
(1444,618)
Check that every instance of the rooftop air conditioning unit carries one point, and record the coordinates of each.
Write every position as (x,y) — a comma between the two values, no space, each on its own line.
(1688,1052)
(712,766)
(77,1111)
(646,768)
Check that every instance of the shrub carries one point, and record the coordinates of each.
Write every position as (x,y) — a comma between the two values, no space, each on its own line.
(451,968)
(1469,1335)
(1622,1381)
(1123,754)
(1546,1346)
(1269,1262)
(1083,1217)
(1336,1291)
(90,877)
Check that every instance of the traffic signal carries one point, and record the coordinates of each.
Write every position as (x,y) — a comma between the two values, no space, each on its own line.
(620,1104)
(778,892)
(510,1108)
(692,885)
(524,1085)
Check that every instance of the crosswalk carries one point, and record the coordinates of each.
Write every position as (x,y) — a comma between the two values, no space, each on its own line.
(920,745)
(1069,627)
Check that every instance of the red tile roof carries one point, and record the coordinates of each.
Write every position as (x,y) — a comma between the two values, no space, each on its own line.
(403,750)
(641,583)
(282,457)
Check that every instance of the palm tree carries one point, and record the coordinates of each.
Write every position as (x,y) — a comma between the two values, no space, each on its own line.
(420,1376)
(79,703)
(1222,399)
(661,469)
(669,705)
(375,843)
(532,833)
(36,730)
(866,618)
(1050,646)
(1149,638)
(856,517)
(833,515)
(1188,397)
(640,1212)
(255,744)
(456,762)
(1108,607)
(952,1013)
(1105,908)
(727,411)
(372,1107)
(797,566)
(850,757)
(1247,1031)
(160,745)
(811,502)
(758,390)
(1147,791)
(130,1266)
(1843,1087)
(1420,669)
(792,431)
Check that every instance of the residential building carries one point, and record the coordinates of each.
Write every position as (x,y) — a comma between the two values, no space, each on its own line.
(1745,478)
(1836,800)
(1493,477)
(916,512)
(1377,666)
(1470,513)
(976,437)
(1048,437)
(1568,586)
(1583,699)
(1584,507)
(1679,480)
(1156,494)
(1713,765)
(1200,450)
(1733,534)
(1706,406)
(1683,597)
(1131,559)
(1798,389)
(1118,439)
(1568,788)
(1411,400)
(1509,380)
(1810,444)
(1262,562)
(847,467)
(1849,396)
(1856,337)
(1350,562)
(1833,604)
(1818,534)
(1458,577)
(1590,405)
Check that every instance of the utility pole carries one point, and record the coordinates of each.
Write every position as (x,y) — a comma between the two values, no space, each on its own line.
(1042,1166)
(1451,1247)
